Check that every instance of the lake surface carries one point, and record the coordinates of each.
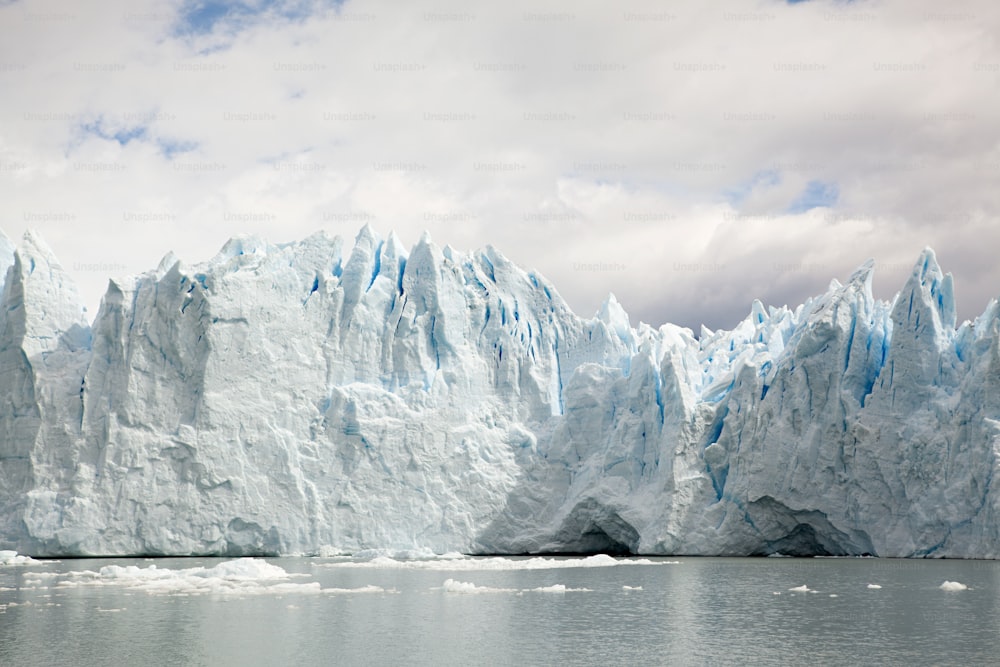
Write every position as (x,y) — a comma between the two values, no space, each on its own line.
(380,611)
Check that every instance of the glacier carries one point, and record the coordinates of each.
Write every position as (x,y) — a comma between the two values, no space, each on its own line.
(315,397)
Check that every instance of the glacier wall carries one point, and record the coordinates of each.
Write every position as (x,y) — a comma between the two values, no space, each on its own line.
(303,398)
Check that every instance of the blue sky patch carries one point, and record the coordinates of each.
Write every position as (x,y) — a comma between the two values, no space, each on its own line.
(202,17)
(121,135)
(816,194)
(171,147)
(126,134)
(735,195)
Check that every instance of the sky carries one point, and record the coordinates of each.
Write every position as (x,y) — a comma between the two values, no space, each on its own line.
(687,156)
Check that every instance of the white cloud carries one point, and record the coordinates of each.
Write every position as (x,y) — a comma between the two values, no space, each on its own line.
(573,137)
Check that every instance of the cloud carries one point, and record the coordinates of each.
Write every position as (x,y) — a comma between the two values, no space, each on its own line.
(688,158)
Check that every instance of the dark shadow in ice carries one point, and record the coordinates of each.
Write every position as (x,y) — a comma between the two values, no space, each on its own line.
(592,528)
(803,532)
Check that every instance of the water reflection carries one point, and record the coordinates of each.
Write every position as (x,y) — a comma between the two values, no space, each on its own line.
(701,611)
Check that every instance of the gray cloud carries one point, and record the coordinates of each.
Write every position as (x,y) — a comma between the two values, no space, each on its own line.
(651,152)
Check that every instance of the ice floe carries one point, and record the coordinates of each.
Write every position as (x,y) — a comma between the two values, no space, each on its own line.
(243,576)
(12,558)
(953,586)
(457,562)
(454,586)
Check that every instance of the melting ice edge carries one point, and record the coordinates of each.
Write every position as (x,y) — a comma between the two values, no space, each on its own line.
(297,399)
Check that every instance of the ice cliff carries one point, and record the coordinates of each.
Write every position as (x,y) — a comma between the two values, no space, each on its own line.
(305,397)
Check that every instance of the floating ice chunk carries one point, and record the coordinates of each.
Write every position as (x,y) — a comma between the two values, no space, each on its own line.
(452,586)
(834,595)
(953,586)
(631,588)
(243,576)
(801,589)
(11,558)
(874,587)
(361,589)
(456,562)
(395,554)
(555,588)
(559,588)
(243,569)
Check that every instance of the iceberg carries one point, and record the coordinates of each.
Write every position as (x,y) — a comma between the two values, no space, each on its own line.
(310,398)
(240,577)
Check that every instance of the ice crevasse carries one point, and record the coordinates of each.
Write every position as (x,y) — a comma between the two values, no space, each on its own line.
(298,398)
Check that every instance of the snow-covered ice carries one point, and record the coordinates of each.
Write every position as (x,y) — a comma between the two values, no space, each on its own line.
(953,586)
(559,588)
(453,586)
(8,557)
(323,398)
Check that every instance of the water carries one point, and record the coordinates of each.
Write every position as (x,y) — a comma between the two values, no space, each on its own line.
(689,611)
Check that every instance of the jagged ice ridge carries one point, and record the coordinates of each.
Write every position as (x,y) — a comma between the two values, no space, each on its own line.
(283,399)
